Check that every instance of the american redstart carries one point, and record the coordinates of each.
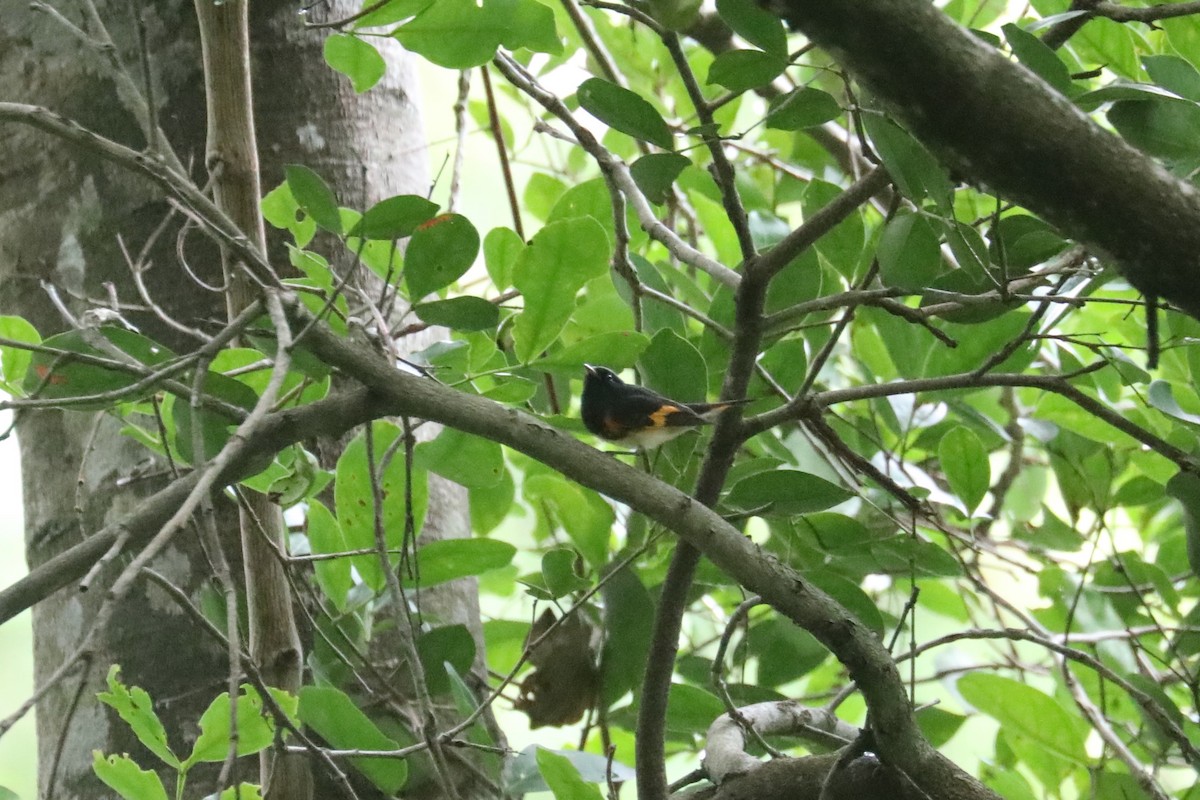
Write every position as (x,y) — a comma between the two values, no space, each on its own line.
(638,417)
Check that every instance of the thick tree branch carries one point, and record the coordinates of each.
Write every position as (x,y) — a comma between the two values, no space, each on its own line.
(900,741)
(995,122)
(390,391)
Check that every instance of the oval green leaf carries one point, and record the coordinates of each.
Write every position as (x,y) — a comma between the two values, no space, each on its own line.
(787,491)
(314,197)
(460,313)
(335,718)
(624,111)
(655,173)
(909,254)
(395,217)
(1024,711)
(965,462)
(357,60)
(742,70)
(439,253)
(802,108)
(450,559)
(560,259)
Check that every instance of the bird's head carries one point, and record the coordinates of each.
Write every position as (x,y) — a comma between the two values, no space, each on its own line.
(600,376)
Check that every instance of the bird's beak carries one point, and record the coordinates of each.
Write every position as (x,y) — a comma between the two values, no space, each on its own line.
(591,370)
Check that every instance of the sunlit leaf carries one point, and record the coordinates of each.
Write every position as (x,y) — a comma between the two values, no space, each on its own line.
(358,60)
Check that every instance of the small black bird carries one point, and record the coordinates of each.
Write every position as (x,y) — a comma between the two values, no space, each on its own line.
(638,417)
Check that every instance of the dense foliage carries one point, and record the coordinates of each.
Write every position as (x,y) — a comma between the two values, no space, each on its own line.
(955,431)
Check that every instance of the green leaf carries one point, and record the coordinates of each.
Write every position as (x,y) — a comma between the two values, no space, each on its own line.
(802,108)
(656,172)
(449,559)
(909,254)
(915,171)
(314,197)
(1024,711)
(526,23)
(464,458)
(522,774)
(1161,395)
(560,259)
(1185,487)
(542,191)
(742,70)
(1090,101)
(785,492)
(281,210)
(390,13)
(501,247)
(850,596)
(458,34)
(1175,74)
(624,111)
(582,513)
(357,60)
(14,362)
(355,503)
(59,376)
(324,537)
(617,349)
(784,651)
(490,505)
(395,217)
(451,644)
(136,708)
(255,731)
(1164,128)
(126,778)
(215,426)
(691,709)
(939,725)
(1026,242)
(243,791)
(674,367)
(460,313)
(1039,58)
(336,719)
(439,253)
(755,24)
(965,462)
(843,246)
(559,572)
(563,779)
(455,34)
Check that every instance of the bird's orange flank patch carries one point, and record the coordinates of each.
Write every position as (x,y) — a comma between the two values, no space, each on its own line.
(659,418)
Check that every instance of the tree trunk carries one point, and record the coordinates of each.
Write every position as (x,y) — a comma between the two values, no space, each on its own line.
(60,214)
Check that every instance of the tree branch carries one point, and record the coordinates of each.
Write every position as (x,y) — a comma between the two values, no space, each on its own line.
(995,122)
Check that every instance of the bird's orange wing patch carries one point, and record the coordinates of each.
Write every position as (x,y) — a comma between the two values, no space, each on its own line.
(661,417)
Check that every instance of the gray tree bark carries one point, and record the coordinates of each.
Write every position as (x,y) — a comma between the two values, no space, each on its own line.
(60,214)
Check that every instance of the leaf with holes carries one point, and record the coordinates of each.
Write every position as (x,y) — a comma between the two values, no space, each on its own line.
(314,197)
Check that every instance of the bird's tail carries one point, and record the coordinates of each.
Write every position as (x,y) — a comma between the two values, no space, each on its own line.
(710,411)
